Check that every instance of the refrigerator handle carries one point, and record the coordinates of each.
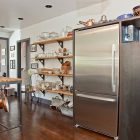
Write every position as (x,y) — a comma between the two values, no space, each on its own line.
(96,98)
(113,68)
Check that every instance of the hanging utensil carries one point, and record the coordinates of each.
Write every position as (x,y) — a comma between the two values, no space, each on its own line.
(136,10)
(4,102)
(1,104)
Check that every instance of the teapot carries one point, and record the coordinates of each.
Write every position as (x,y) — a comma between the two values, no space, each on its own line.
(88,23)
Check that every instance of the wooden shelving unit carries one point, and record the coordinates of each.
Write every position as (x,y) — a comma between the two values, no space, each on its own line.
(57,92)
(61,92)
(46,74)
(54,57)
(49,41)
(42,44)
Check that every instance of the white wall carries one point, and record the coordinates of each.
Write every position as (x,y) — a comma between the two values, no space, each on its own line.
(111,8)
(13,42)
(5,34)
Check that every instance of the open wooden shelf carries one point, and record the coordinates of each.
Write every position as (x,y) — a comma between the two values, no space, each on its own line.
(61,92)
(58,92)
(54,57)
(49,41)
(46,74)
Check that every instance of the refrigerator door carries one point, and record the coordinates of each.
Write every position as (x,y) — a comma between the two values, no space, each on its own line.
(97,60)
(98,113)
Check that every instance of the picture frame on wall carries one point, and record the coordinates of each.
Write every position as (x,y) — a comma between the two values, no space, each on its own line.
(34,65)
(33,48)
(12,64)
(12,48)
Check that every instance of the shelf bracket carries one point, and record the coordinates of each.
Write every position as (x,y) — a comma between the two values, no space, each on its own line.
(42,61)
(42,47)
(62,95)
(43,91)
(61,60)
(61,78)
(60,43)
(42,76)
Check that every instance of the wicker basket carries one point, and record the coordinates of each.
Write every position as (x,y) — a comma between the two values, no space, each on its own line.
(136,10)
(65,69)
(45,70)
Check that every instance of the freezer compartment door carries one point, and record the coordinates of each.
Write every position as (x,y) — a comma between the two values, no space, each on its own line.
(97,60)
(98,113)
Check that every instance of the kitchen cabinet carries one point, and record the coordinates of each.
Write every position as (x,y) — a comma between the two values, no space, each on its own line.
(129,123)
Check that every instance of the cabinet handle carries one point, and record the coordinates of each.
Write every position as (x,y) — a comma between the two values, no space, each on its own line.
(96,98)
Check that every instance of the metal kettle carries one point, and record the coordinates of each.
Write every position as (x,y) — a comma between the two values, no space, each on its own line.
(103,19)
(90,22)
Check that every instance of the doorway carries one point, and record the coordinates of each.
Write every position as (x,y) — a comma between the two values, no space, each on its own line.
(23,57)
(4,56)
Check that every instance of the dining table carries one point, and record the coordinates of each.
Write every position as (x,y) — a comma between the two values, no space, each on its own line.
(4,81)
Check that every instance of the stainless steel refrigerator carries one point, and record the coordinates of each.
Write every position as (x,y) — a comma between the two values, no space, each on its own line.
(96,78)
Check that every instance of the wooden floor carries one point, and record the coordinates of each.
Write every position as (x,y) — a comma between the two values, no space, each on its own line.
(42,123)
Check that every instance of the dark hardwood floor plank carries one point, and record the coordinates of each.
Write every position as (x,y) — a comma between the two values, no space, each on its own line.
(42,123)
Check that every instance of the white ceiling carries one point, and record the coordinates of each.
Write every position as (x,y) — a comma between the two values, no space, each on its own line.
(34,11)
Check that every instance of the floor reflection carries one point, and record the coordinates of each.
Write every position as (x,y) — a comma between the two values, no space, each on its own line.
(42,123)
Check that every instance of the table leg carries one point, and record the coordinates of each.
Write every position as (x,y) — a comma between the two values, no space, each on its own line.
(19,102)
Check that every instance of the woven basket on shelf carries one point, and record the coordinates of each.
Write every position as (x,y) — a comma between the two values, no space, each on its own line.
(65,69)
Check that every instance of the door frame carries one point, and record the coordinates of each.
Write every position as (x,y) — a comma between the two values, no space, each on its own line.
(7,53)
(27,40)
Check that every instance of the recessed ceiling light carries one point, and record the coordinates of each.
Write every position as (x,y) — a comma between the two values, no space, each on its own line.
(48,6)
(20,18)
(2,26)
